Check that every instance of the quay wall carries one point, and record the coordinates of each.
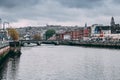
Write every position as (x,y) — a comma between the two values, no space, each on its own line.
(92,44)
(10,50)
(4,54)
(15,48)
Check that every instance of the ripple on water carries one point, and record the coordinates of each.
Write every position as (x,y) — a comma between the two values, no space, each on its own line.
(49,62)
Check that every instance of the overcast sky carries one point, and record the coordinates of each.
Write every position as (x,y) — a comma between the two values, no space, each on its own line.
(59,12)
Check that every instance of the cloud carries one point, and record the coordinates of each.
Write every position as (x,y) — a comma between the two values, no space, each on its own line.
(49,9)
(81,3)
(116,1)
(17,3)
(71,12)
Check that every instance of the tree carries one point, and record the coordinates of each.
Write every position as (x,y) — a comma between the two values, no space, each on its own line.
(37,37)
(13,34)
(49,33)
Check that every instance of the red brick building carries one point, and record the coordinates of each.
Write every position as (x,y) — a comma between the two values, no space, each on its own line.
(63,36)
(77,34)
(59,36)
(86,32)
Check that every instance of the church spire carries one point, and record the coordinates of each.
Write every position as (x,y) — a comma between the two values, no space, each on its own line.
(85,25)
(112,22)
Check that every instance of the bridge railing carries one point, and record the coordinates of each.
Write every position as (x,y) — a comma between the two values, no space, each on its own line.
(4,43)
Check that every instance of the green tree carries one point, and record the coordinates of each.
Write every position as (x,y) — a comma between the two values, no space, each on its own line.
(13,34)
(49,33)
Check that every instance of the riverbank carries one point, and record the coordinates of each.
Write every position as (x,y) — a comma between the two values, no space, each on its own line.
(15,48)
(115,45)
(4,52)
(10,50)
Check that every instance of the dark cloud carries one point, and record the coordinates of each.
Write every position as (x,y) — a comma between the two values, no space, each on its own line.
(116,1)
(81,3)
(17,3)
(57,10)
(68,3)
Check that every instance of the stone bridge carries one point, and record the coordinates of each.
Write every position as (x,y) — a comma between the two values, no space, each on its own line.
(22,42)
(38,42)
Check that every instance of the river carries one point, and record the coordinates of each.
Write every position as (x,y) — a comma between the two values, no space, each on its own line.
(49,62)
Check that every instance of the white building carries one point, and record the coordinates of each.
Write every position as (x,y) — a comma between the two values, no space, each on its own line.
(98,29)
(67,37)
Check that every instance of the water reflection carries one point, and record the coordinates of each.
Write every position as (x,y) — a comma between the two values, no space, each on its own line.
(3,69)
(10,69)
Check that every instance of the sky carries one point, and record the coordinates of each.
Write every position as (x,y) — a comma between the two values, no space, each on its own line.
(20,13)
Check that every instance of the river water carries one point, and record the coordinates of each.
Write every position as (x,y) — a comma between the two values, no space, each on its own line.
(49,62)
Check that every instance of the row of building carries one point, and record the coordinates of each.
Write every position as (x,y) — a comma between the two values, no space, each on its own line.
(94,32)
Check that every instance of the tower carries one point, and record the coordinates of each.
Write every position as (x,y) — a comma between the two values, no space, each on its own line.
(112,22)
(85,25)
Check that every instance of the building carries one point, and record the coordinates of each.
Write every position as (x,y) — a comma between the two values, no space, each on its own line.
(59,36)
(86,33)
(94,31)
(115,28)
(3,35)
(77,34)
(102,29)
(100,32)
(112,23)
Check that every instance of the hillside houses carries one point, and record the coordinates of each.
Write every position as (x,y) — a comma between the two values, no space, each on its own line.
(94,31)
